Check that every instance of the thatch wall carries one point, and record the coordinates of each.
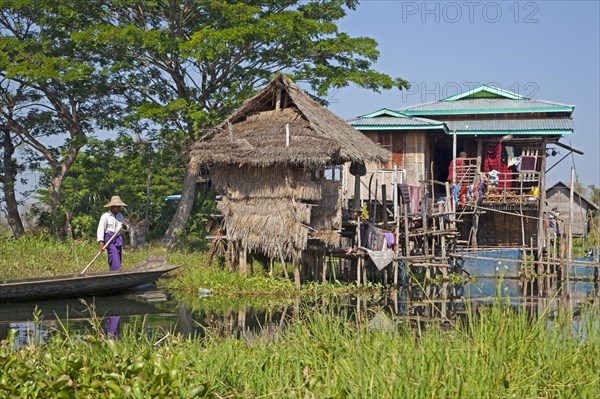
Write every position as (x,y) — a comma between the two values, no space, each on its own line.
(326,217)
(267,226)
(252,182)
(268,210)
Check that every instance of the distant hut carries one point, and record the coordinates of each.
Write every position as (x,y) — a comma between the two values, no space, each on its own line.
(559,197)
(276,162)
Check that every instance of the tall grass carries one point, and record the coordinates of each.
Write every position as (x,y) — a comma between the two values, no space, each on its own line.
(498,354)
(39,256)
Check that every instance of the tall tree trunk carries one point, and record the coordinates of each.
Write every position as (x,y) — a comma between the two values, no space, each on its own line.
(59,171)
(8,178)
(137,233)
(184,208)
(54,193)
(68,228)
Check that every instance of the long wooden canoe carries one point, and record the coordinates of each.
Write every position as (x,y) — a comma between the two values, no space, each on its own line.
(84,285)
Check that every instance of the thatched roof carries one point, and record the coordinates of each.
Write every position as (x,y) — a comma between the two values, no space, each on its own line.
(258,130)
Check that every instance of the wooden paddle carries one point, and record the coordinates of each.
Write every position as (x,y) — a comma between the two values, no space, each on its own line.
(103,248)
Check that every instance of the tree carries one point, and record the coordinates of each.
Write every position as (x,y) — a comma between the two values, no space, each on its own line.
(11,97)
(8,178)
(191,62)
(141,173)
(69,91)
(594,194)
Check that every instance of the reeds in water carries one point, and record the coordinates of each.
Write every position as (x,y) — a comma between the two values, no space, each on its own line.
(499,353)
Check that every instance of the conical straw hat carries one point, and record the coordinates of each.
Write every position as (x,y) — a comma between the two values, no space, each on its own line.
(115,200)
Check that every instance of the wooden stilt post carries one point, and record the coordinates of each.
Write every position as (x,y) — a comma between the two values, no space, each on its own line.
(323,261)
(397,235)
(283,263)
(374,213)
(570,225)
(358,270)
(385,203)
(406,237)
(358,244)
(243,266)
(356,202)
(297,279)
(541,227)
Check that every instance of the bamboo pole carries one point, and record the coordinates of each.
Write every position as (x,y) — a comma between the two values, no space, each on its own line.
(283,262)
(103,248)
(358,244)
(374,216)
(570,225)
(454,157)
(243,265)
(542,203)
(297,279)
(384,200)
(395,193)
(397,234)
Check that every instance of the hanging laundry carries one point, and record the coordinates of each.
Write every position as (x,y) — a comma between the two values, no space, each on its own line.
(462,195)
(381,259)
(455,191)
(493,176)
(390,239)
(374,238)
(493,157)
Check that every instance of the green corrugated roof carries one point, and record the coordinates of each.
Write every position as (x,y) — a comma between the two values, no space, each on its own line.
(485,100)
(485,91)
(385,119)
(537,126)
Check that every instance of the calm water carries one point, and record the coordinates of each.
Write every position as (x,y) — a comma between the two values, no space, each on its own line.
(159,312)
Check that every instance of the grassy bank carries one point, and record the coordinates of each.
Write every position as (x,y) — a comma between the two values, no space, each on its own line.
(39,256)
(36,256)
(499,354)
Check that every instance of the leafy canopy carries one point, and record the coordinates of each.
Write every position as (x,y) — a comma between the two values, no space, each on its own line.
(190,63)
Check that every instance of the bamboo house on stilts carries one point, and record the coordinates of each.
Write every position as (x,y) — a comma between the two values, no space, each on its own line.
(275,164)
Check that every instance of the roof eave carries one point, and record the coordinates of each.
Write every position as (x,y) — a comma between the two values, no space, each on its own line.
(488,111)
(403,127)
(548,132)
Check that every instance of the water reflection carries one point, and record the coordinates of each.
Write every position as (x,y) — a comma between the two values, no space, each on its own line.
(111,326)
(379,309)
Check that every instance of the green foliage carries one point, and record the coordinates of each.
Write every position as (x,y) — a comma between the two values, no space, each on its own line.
(163,70)
(499,353)
(126,168)
(189,65)
(594,194)
(193,238)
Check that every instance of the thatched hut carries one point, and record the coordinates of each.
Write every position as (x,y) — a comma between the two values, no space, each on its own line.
(275,163)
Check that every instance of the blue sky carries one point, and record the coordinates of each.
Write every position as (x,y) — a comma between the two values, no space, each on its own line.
(548,50)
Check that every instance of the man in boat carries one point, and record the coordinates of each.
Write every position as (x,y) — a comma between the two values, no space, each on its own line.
(111,223)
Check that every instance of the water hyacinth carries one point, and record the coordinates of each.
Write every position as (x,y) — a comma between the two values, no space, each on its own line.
(498,353)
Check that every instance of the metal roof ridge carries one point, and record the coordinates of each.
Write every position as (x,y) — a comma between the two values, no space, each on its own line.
(490,89)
